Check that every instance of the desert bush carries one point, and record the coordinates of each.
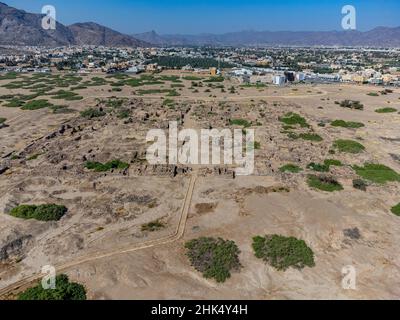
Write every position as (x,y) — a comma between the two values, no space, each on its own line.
(44,212)
(153,226)
(290,168)
(385,110)
(283,252)
(100,167)
(377,173)
(324,183)
(292,118)
(36,104)
(65,290)
(396,210)
(360,184)
(347,124)
(93,113)
(214,258)
(348,146)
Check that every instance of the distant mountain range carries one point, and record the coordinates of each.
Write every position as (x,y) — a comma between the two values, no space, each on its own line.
(378,37)
(18,27)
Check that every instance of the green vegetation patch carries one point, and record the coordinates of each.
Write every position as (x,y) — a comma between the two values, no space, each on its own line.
(93,113)
(347,124)
(153,226)
(65,290)
(292,118)
(290,168)
(324,183)
(283,252)
(396,210)
(348,146)
(240,122)
(214,258)
(351,104)
(36,104)
(385,110)
(3,120)
(100,167)
(377,173)
(66,95)
(310,137)
(44,212)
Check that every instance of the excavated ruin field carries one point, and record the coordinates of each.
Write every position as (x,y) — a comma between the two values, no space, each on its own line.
(43,158)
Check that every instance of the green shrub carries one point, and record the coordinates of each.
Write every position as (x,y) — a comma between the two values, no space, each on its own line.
(240,122)
(385,110)
(2,120)
(333,162)
(292,118)
(377,173)
(360,184)
(214,258)
(310,137)
(100,167)
(347,124)
(290,168)
(44,212)
(318,167)
(36,104)
(348,146)
(396,210)
(373,94)
(153,226)
(93,113)
(351,104)
(283,252)
(324,183)
(65,290)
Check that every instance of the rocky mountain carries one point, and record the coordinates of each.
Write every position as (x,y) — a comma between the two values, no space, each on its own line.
(18,27)
(381,36)
(90,33)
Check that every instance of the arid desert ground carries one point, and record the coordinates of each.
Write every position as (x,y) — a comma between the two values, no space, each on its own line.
(103,243)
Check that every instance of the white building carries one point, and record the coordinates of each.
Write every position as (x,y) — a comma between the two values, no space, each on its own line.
(279,80)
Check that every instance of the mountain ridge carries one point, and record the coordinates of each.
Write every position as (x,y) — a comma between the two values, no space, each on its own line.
(21,28)
(379,36)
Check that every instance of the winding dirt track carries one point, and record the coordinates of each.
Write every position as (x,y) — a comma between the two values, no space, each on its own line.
(11,290)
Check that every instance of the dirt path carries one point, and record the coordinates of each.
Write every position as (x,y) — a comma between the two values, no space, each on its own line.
(25,283)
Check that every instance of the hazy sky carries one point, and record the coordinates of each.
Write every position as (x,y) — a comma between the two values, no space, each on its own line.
(218,16)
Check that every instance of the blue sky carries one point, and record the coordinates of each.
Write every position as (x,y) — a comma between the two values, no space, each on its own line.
(218,16)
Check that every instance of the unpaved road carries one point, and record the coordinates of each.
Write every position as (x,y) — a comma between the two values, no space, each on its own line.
(25,283)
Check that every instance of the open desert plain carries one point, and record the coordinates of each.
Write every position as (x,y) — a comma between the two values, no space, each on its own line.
(326,171)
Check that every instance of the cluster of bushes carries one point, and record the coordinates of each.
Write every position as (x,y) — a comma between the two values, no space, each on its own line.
(240,122)
(377,173)
(326,166)
(396,210)
(386,110)
(36,104)
(283,252)
(103,167)
(347,124)
(214,258)
(292,118)
(324,183)
(44,212)
(91,113)
(153,226)
(65,290)
(350,104)
(290,168)
(348,146)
